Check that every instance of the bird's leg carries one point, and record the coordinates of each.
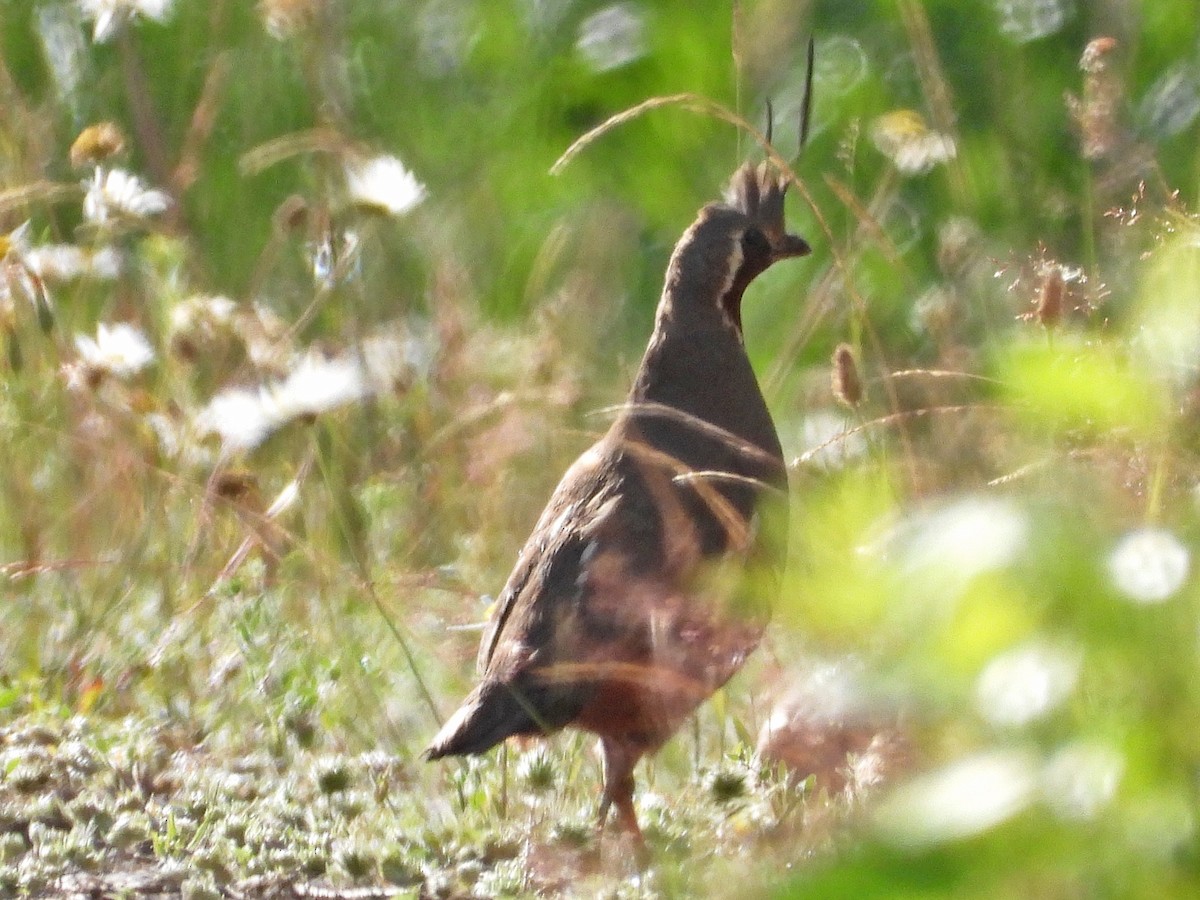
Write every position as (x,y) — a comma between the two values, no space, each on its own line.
(619,761)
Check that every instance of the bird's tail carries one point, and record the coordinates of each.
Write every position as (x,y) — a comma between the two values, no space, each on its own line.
(489,714)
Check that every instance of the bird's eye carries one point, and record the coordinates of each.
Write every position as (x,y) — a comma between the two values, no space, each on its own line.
(755,246)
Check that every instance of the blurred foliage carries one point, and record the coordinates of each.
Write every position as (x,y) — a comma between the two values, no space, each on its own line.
(998,538)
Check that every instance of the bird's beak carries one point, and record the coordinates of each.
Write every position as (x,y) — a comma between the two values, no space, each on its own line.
(791,246)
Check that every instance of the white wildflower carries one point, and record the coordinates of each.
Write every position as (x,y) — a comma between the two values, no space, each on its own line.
(244,417)
(1080,779)
(388,360)
(1027,682)
(177,440)
(109,15)
(18,280)
(119,194)
(317,385)
(67,262)
(960,800)
(203,314)
(909,143)
(119,350)
(240,416)
(15,244)
(1149,565)
(967,536)
(383,184)
(939,550)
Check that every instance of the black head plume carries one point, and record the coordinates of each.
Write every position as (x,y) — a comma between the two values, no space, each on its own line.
(806,103)
(757,192)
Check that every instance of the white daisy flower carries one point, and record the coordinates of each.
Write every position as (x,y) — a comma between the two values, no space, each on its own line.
(67,262)
(244,417)
(388,360)
(962,799)
(383,184)
(177,440)
(240,417)
(1149,565)
(119,350)
(1081,778)
(1027,682)
(15,244)
(202,313)
(119,194)
(19,280)
(966,536)
(317,385)
(109,15)
(912,146)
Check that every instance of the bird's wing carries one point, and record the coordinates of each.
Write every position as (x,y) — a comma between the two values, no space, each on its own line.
(616,526)
(550,564)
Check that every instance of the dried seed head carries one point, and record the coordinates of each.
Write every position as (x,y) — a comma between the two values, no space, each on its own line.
(1097,112)
(1095,54)
(847,386)
(92,376)
(1050,298)
(96,143)
(235,485)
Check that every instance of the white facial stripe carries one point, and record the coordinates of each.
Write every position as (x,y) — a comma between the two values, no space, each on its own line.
(735,263)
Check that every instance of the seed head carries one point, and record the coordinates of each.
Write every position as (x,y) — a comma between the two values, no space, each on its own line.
(1097,112)
(847,386)
(235,484)
(1050,298)
(1096,54)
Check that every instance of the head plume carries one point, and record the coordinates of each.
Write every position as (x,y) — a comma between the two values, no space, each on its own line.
(757,192)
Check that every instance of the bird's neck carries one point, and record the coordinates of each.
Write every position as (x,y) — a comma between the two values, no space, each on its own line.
(695,370)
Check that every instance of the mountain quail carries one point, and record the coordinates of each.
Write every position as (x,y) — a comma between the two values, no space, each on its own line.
(634,598)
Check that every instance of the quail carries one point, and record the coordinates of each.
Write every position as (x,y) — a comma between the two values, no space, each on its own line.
(635,597)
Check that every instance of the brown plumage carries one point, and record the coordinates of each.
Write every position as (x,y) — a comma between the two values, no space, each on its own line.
(631,602)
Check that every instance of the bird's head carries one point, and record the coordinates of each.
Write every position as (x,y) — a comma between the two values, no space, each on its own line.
(732,243)
(757,193)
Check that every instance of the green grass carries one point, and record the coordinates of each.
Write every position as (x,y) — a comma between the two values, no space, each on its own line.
(993,553)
